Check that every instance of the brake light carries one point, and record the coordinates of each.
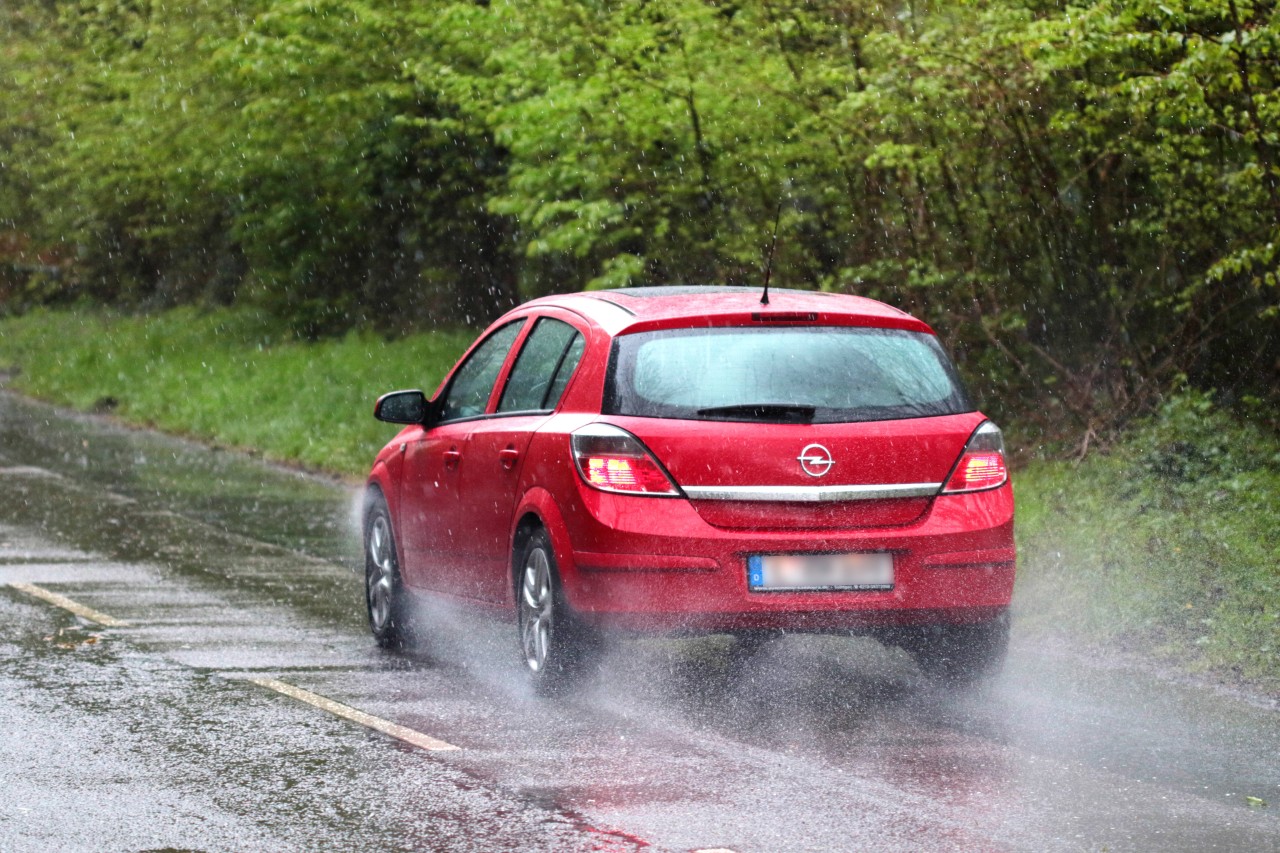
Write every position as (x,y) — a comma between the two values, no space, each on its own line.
(614,460)
(982,464)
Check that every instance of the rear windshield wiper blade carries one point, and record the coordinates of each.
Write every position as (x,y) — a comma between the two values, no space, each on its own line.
(787,412)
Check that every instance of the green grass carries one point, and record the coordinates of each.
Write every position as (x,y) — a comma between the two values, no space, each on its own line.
(226,377)
(1168,545)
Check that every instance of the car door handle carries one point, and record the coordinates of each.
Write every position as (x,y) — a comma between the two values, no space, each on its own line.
(509,457)
(452,457)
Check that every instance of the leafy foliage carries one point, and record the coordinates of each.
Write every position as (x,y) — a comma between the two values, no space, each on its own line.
(1084,196)
(1170,543)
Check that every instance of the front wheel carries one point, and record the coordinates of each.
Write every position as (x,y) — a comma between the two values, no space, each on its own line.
(555,647)
(385,596)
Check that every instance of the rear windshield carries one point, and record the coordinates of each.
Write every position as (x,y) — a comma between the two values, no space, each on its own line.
(812,374)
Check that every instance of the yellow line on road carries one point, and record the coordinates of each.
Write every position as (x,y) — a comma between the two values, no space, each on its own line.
(378,724)
(67,604)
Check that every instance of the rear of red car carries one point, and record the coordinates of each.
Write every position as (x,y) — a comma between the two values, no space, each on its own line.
(766,469)
(699,460)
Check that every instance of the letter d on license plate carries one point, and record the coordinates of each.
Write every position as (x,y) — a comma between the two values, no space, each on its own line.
(866,572)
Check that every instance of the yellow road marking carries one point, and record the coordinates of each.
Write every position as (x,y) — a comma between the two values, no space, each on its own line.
(378,724)
(67,604)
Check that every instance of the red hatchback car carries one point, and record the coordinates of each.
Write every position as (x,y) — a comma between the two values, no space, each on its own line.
(697,460)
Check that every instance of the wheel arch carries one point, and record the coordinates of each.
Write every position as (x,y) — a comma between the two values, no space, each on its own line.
(380,483)
(538,509)
(373,489)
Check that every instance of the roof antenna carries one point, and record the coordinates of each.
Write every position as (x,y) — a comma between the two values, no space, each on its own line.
(773,244)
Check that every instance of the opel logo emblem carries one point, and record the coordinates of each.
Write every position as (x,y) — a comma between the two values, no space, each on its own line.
(815,460)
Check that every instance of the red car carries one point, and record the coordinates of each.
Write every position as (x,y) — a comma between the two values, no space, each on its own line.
(699,460)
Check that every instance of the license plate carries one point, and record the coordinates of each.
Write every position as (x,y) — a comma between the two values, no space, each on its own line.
(863,571)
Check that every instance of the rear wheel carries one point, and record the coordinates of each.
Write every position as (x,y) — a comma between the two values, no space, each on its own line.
(747,645)
(385,596)
(556,647)
(957,655)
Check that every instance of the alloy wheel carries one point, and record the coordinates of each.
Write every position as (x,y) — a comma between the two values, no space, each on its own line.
(381,574)
(537,611)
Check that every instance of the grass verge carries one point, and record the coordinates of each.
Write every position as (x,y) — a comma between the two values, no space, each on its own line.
(226,377)
(1169,545)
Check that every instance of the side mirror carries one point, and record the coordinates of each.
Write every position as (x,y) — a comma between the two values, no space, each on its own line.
(402,407)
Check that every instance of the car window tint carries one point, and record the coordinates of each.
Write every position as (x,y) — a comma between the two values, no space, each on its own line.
(539,364)
(469,391)
(842,374)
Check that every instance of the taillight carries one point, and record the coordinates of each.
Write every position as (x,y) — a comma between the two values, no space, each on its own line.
(982,464)
(614,460)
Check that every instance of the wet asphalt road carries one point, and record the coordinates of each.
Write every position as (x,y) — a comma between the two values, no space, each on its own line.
(154,735)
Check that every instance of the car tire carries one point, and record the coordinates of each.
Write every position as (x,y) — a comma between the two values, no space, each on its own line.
(958,655)
(386,599)
(555,647)
(747,646)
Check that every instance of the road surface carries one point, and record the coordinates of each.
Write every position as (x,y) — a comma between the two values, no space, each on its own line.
(184,665)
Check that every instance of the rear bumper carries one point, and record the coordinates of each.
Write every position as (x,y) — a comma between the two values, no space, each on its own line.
(652,564)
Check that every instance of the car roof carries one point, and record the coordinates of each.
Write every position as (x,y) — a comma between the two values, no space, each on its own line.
(636,309)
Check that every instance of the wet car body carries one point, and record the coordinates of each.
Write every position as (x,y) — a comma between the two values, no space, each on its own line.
(864,519)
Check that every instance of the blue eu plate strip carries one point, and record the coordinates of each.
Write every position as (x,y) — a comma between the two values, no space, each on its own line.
(755,570)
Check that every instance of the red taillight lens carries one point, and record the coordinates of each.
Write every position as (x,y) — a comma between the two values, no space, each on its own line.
(982,464)
(622,474)
(614,460)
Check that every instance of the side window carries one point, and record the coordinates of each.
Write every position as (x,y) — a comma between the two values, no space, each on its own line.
(567,365)
(543,368)
(469,391)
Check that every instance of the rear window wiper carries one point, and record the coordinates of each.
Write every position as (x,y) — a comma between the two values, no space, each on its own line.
(784,412)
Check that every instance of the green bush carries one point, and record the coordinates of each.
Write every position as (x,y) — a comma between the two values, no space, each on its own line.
(1170,543)
(1083,198)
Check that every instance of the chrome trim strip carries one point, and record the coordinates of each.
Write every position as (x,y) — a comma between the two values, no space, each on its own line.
(812,494)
